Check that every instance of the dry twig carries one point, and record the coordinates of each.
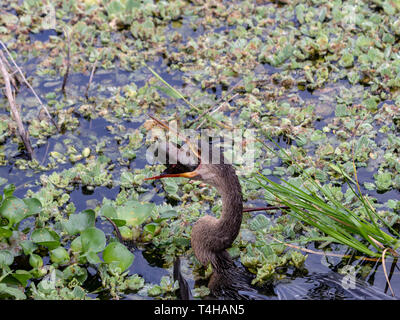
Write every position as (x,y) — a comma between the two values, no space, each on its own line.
(29,86)
(68,60)
(269,208)
(385,271)
(90,80)
(24,135)
(322,253)
(117,232)
(13,78)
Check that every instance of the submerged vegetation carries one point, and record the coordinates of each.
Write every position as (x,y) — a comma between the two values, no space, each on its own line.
(320,78)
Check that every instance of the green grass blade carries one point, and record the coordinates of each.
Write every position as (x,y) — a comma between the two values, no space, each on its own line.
(313,210)
(172,91)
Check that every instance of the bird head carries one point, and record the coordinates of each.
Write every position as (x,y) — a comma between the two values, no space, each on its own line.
(212,174)
(190,162)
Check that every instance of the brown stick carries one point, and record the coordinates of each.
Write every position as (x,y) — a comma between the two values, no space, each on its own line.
(118,233)
(323,253)
(265,208)
(24,135)
(12,78)
(385,272)
(68,61)
(29,86)
(90,80)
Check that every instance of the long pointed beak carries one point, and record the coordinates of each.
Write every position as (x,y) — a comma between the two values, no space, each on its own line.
(190,174)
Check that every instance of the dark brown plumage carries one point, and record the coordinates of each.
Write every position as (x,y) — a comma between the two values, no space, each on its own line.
(211,237)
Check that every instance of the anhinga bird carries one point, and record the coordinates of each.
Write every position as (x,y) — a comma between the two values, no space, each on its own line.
(211,237)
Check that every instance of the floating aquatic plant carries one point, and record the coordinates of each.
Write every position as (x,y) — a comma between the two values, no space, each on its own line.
(37,243)
(317,205)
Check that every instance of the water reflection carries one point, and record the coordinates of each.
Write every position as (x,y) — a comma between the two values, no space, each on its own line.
(328,286)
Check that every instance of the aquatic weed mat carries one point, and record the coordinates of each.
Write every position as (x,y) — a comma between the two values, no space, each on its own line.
(317,76)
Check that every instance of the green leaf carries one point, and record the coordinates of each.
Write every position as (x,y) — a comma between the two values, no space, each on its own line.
(50,95)
(28,246)
(260,222)
(114,8)
(35,261)
(134,212)
(79,293)
(369,185)
(282,55)
(171,187)
(180,241)
(8,190)
(131,4)
(34,205)
(347,60)
(93,239)
(59,256)
(154,291)
(110,212)
(383,181)
(127,233)
(92,257)
(150,228)
(79,222)
(169,214)
(135,282)
(46,237)
(117,252)
(75,272)
(5,233)
(371,104)
(22,276)
(300,9)
(11,291)
(6,258)
(76,244)
(14,210)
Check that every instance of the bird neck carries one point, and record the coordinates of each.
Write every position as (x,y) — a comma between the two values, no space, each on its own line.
(210,236)
(232,207)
